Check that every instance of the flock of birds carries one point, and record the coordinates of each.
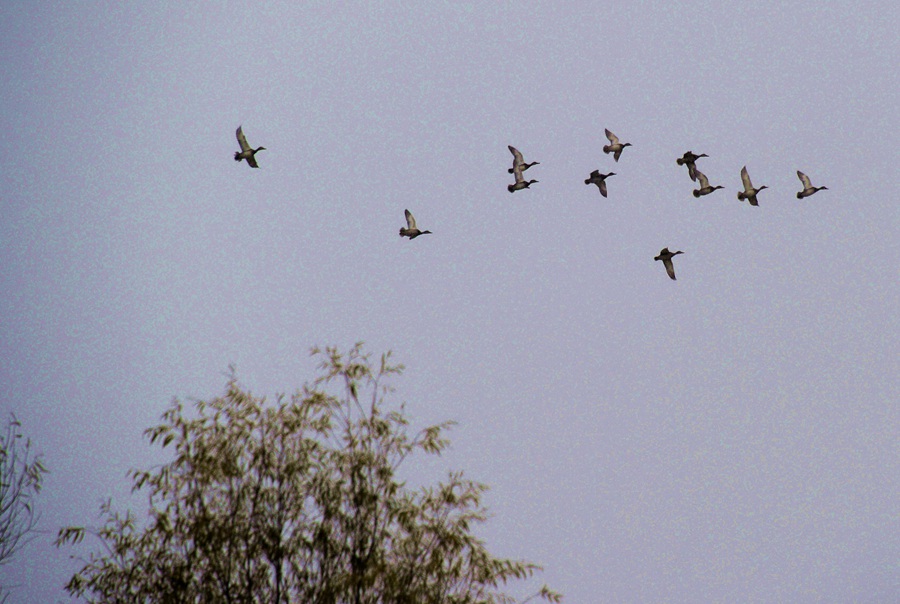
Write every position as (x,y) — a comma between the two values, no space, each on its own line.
(689,159)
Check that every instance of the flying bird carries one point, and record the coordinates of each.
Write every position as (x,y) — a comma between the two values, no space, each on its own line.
(599,180)
(519,161)
(808,189)
(666,256)
(704,189)
(615,147)
(689,159)
(247,152)
(411,231)
(520,183)
(749,193)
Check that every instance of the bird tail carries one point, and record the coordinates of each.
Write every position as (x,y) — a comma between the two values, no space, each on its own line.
(679,161)
(587,181)
(606,148)
(697,193)
(800,195)
(741,196)
(237,156)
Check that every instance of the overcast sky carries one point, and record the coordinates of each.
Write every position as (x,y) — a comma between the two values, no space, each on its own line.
(730,436)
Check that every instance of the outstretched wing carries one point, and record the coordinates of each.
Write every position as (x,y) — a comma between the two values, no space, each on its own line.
(518,160)
(612,137)
(242,140)
(670,268)
(517,172)
(602,186)
(692,170)
(410,220)
(704,182)
(804,179)
(745,178)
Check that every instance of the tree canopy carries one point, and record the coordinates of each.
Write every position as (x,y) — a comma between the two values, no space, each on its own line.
(297,500)
(21,476)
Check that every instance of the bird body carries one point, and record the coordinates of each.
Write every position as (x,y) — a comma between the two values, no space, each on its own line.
(689,159)
(520,183)
(411,231)
(704,189)
(749,193)
(614,146)
(247,152)
(519,161)
(599,179)
(808,189)
(666,256)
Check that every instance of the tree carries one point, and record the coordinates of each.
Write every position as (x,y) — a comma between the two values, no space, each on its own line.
(21,474)
(295,501)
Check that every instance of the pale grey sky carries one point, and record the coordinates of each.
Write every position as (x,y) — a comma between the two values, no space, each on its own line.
(731,436)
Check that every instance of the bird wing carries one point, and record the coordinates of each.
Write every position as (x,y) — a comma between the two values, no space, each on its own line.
(692,170)
(704,182)
(595,174)
(617,154)
(410,220)
(242,140)
(602,186)
(612,137)
(670,268)
(517,156)
(517,172)
(745,178)
(252,161)
(804,179)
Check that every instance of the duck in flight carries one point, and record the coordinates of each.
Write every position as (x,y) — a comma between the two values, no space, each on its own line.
(599,180)
(689,159)
(614,146)
(704,189)
(247,152)
(666,256)
(520,183)
(749,193)
(808,189)
(518,160)
(411,231)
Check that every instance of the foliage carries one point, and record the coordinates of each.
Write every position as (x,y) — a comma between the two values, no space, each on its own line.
(297,501)
(21,474)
